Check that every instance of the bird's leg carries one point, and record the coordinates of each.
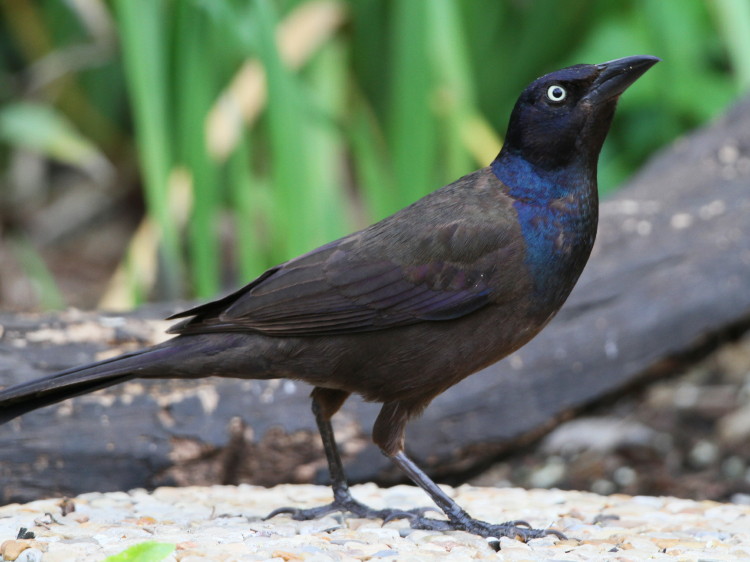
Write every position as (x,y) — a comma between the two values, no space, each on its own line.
(388,433)
(325,403)
(458,518)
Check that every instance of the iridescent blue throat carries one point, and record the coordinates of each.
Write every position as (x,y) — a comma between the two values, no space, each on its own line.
(557,211)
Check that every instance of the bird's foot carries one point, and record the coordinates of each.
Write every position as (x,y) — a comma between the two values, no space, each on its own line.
(350,505)
(519,530)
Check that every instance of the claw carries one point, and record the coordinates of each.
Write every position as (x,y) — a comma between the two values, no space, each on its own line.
(389,515)
(351,506)
(279,511)
(306,514)
(519,533)
(555,532)
(517,529)
(517,523)
(526,534)
(394,516)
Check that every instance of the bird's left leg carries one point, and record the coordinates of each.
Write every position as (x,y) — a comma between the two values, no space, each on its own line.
(325,403)
(388,434)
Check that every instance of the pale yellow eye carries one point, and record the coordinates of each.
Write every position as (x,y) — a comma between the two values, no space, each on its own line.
(556,93)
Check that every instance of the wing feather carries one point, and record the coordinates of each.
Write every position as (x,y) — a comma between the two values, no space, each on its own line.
(351,285)
(313,301)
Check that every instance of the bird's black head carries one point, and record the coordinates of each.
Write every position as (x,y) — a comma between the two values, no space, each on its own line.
(564,117)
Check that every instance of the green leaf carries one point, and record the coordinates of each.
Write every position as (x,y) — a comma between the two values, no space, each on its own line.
(734,23)
(144,41)
(249,208)
(144,552)
(45,130)
(371,166)
(42,280)
(289,143)
(411,124)
(196,82)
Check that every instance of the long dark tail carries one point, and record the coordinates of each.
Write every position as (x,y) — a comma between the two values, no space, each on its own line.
(25,397)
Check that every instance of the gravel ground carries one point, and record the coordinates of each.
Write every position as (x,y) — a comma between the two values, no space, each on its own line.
(224,523)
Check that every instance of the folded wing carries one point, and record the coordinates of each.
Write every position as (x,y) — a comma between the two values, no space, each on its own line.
(339,289)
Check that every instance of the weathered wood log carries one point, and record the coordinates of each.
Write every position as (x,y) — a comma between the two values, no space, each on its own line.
(671,268)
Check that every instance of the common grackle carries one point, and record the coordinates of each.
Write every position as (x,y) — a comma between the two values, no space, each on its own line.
(406,308)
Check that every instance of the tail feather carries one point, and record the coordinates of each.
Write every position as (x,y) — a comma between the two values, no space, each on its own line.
(25,397)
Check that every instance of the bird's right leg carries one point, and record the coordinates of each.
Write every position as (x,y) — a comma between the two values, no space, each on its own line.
(325,403)
(388,434)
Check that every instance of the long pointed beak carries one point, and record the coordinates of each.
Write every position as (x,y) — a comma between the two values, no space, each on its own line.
(617,75)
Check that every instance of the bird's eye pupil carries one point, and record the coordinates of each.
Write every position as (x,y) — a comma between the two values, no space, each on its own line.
(556,93)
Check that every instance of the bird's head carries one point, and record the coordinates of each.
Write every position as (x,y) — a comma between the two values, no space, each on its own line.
(564,117)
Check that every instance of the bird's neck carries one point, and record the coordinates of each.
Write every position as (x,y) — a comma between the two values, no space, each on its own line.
(536,184)
(557,212)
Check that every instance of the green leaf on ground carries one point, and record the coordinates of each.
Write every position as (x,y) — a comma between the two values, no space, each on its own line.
(145,552)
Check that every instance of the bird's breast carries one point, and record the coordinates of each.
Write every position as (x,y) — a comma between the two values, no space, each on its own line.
(557,212)
(559,236)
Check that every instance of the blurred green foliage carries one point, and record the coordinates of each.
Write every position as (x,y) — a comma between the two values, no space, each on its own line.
(295,121)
